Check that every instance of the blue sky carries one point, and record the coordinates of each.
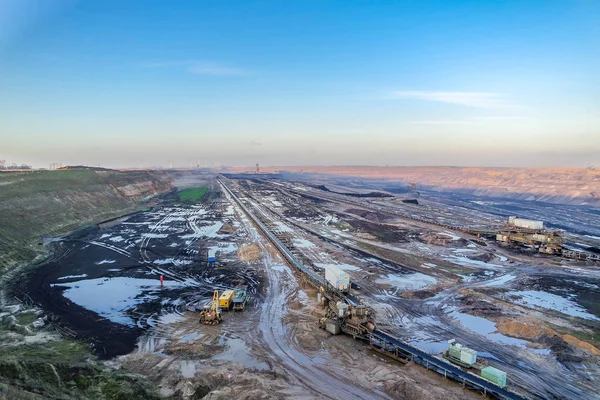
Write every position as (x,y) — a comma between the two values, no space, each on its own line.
(129,83)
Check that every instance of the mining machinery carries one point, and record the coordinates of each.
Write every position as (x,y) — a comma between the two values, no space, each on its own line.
(211,314)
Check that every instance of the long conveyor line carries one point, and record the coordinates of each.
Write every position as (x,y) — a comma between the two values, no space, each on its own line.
(377,337)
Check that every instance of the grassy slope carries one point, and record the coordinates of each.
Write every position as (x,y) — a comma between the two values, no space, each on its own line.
(64,370)
(50,203)
(47,203)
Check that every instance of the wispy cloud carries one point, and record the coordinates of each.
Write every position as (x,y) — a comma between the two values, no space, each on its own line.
(203,68)
(471,120)
(468,99)
(500,118)
(444,122)
(199,67)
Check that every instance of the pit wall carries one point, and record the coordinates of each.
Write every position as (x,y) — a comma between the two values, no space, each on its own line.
(41,204)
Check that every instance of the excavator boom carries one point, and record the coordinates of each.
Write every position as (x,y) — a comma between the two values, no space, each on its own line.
(211,315)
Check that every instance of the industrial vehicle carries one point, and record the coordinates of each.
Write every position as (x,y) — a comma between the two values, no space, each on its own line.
(467,358)
(531,233)
(226,300)
(460,355)
(211,315)
(239,299)
(350,315)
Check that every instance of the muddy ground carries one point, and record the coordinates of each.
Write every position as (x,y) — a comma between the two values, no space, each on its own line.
(429,285)
(426,284)
(103,285)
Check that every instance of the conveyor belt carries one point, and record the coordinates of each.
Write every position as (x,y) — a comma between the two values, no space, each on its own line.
(416,354)
(316,278)
(447,369)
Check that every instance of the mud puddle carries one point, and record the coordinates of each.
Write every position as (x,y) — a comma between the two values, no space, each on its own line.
(106,287)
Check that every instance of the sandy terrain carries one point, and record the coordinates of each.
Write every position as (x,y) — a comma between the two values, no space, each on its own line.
(554,185)
(530,315)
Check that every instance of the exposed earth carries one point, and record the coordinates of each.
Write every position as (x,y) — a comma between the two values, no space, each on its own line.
(536,317)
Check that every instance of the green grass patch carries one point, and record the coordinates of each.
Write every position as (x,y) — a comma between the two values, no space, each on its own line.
(61,351)
(342,225)
(51,203)
(193,194)
(590,337)
(65,370)
(26,318)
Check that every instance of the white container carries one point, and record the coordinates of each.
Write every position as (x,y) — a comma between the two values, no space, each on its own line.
(212,255)
(468,356)
(525,223)
(337,278)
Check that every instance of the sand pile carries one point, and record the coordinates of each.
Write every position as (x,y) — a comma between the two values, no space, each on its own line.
(540,333)
(249,252)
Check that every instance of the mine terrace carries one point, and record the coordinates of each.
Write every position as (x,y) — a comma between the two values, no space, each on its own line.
(420,290)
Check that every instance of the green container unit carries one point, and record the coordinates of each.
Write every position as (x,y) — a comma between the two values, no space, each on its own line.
(494,375)
(454,351)
(239,299)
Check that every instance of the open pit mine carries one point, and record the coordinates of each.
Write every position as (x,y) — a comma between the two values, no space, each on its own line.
(205,285)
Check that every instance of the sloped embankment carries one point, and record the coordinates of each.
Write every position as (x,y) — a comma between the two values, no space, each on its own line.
(50,203)
(541,334)
(575,186)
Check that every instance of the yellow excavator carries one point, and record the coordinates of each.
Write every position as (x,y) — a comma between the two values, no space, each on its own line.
(211,315)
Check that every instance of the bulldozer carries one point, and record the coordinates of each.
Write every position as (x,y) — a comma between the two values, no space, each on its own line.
(211,315)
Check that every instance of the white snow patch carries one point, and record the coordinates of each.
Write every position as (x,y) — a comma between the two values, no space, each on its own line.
(500,280)
(464,261)
(224,247)
(415,281)
(282,227)
(72,276)
(105,262)
(281,268)
(204,231)
(451,235)
(303,243)
(154,235)
(173,261)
